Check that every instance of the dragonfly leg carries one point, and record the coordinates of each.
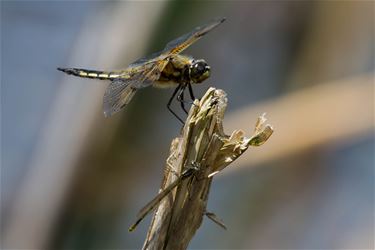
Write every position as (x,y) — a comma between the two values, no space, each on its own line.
(170,101)
(180,98)
(191,92)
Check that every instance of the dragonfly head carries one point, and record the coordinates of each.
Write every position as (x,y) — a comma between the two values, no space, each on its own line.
(199,71)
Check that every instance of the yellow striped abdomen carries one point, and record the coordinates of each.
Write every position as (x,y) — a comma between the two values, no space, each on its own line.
(93,74)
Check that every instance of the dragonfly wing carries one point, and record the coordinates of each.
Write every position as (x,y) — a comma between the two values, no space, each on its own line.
(121,90)
(148,59)
(118,93)
(149,72)
(178,45)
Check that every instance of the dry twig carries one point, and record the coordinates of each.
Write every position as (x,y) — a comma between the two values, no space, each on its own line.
(202,151)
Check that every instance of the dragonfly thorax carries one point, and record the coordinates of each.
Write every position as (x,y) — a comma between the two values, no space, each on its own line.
(182,69)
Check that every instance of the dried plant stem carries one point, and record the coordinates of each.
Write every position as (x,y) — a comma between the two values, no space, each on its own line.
(204,147)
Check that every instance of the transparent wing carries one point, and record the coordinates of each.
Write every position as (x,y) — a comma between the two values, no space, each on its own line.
(148,59)
(121,90)
(148,73)
(118,93)
(178,45)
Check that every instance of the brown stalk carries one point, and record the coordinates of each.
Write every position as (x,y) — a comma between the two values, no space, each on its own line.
(201,151)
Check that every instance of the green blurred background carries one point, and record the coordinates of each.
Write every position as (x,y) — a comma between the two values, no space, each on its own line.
(71,179)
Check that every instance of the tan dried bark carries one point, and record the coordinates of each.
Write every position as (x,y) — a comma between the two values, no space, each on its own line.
(202,146)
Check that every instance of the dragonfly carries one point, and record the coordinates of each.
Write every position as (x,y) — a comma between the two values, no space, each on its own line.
(150,206)
(164,69)
(189,172)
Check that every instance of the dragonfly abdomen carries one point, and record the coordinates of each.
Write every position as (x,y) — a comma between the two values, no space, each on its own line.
(93,74)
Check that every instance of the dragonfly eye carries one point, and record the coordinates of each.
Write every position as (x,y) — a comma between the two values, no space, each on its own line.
(199,71)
